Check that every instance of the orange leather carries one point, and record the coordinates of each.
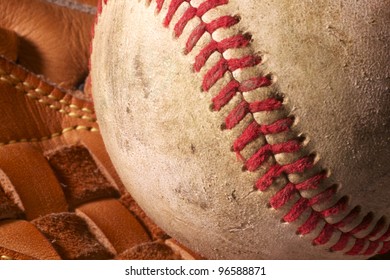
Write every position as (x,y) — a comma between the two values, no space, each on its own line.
(53,40)
(31,184)
(123,234)
(88,2)
(24,239)
(9,44)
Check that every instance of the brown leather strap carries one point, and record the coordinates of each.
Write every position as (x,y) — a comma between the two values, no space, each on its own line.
(23,238)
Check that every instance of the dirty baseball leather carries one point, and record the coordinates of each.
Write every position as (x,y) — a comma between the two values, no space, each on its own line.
(249,150)
(60,197)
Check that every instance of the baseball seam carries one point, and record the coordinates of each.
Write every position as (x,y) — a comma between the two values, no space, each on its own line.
(375,240)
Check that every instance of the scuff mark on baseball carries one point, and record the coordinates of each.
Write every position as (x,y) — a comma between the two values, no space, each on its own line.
(253,129)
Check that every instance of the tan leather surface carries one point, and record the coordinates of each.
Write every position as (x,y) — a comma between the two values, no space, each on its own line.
(53,40)
(16,161)
(9,44)
(89,2)
(123,233)
(24,239)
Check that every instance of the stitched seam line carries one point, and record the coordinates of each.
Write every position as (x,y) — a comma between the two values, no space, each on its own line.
(269,151)
(255,130)
(46,98)
(244,108)
(52,136)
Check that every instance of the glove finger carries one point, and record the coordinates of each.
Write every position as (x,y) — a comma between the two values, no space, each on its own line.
(53,39)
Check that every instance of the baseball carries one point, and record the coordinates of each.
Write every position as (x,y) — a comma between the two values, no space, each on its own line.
(251,129)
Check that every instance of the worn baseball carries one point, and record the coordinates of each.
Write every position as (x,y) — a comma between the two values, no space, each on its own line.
(248,128)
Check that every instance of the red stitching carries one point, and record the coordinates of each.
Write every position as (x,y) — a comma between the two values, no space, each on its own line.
(173,6)
(310,224)
(325,235)
(303,204)
(277,170)
(255,130)
(283,196)
(349,218)
(244,108)
(385,248)
(160,3)
(188,15)
(326,195)
(340,206)
(267,150)
(235,42)
(197,33)
(367,220)
(312,183)
(378,228)
(191,12)
(210,4)
(372,247)
(385,236)
(297,210)
(357,248)
(223,66)
(341,243)
(225,95)
(285,147)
